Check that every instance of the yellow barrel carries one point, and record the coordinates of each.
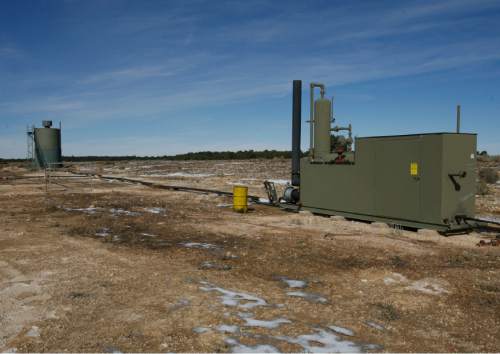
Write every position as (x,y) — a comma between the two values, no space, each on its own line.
(240,199)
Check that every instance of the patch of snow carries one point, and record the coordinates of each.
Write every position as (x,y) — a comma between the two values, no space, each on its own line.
(200,330)
(427,286)
(228,328)
(102,232)
(252,322)
(200,245)
(488,218)
(234,298)
(395,278)
(236,183)
(148,235)
(263,200)
(33,332)
(308,296)
(89,210)
(120,211)
(189,175)
(330,343)
(280,181)
(293,283)
(237,347)
(342,330)
(183,302)
(245,314)
(375,325)
(155,210)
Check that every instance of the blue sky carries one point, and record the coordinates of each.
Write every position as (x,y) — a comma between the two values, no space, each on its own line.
(166,77)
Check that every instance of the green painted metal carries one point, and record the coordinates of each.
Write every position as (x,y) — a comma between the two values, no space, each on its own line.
(322,123)
(408,180)
(47,147)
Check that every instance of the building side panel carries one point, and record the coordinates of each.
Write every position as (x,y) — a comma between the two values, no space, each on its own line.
(397,189)
(339,187)
(459,155)
(430,178)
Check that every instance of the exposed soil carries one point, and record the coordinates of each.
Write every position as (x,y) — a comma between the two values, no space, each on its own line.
(92,265)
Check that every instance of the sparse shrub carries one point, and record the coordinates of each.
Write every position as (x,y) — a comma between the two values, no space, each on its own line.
(488,175)
(387,311)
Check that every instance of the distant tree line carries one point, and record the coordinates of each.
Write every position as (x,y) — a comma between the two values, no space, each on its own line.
(202,155)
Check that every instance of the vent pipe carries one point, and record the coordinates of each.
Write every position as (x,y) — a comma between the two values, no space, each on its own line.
(458,119)
(296,124)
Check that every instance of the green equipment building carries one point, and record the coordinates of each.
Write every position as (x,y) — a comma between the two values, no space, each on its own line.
(416,181)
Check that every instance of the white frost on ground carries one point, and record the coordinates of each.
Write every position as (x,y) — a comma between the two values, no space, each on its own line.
(200,330)
(270,324)
(155,210)
(375,325)
(89,210)
(179,174)
(308,296)
(233,298)
(200,245)
(395,278)
(183,302)
(294,283)
(237,347)
(102,232)
(331,343)
(488,217)
(427,286)
(33,332)
(342,330)
(114,211)
(148,235)
(120,211)
(228,328)
(283,182)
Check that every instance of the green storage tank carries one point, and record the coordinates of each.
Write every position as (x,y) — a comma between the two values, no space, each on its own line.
(47,146)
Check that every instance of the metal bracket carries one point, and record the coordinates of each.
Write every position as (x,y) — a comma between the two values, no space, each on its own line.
(454,181)
(272,195)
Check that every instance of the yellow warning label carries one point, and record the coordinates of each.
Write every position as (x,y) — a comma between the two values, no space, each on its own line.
(414,169)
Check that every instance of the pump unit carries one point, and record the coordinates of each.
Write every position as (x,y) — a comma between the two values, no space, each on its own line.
(417,181)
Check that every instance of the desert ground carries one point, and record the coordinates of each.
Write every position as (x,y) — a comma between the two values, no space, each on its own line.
(90,264)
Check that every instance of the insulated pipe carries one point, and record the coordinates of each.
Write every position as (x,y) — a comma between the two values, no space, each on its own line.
(296,122)
(311,115)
